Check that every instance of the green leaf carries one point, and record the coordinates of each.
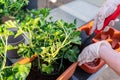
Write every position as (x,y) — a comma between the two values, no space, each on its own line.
(76,40)
(72,54)
(16,72)
(11,24)
(19,32)
(10,47)
(59,23)
(45,11)
(47,68)
(21,71)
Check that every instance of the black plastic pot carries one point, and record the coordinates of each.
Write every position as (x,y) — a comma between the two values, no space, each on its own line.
(12,54)
(36,74)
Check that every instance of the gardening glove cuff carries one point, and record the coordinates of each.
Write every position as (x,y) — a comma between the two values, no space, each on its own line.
(91,52)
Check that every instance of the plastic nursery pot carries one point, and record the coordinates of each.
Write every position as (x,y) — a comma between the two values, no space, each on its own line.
(115,41)
(115,45)
(87,27)
(94,66)
(26,60)
(68,73)
(105,35)
(36,74)
(12,54)
(116,37)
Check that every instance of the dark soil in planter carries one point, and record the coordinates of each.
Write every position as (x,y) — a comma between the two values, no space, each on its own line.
(94,63)
(35,74)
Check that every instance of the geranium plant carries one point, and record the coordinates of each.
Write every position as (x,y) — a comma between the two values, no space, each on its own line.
(16,72)
(11,9)
(49,40)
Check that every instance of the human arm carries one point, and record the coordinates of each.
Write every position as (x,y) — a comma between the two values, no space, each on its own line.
(101,50)
(111,57)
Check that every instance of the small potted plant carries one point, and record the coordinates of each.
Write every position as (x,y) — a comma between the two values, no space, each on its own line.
(12,40)
(10,72)
(12,9)
(9,9)
(51,41)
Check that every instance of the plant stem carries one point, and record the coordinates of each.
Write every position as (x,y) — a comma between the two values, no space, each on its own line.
(56,52)
(25,36)
(64,30)
(2,55)
(18,9)
(63,45)
(39,66)
(66,44)
(4,59)
(2,40)
(61,63)
(1,78)
(30,41)
(7,67)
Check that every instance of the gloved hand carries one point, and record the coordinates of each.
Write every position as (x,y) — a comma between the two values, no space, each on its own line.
(106,10)
(91,52)
(111,23)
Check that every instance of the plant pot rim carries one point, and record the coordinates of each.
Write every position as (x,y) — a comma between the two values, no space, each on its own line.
(90,69)
(68,72)
(26,60)
(93,67)
(17,42)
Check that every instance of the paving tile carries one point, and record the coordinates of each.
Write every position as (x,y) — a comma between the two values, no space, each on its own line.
(80,9)
(97,3)
(60,14)
(117,25)
(108,74)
